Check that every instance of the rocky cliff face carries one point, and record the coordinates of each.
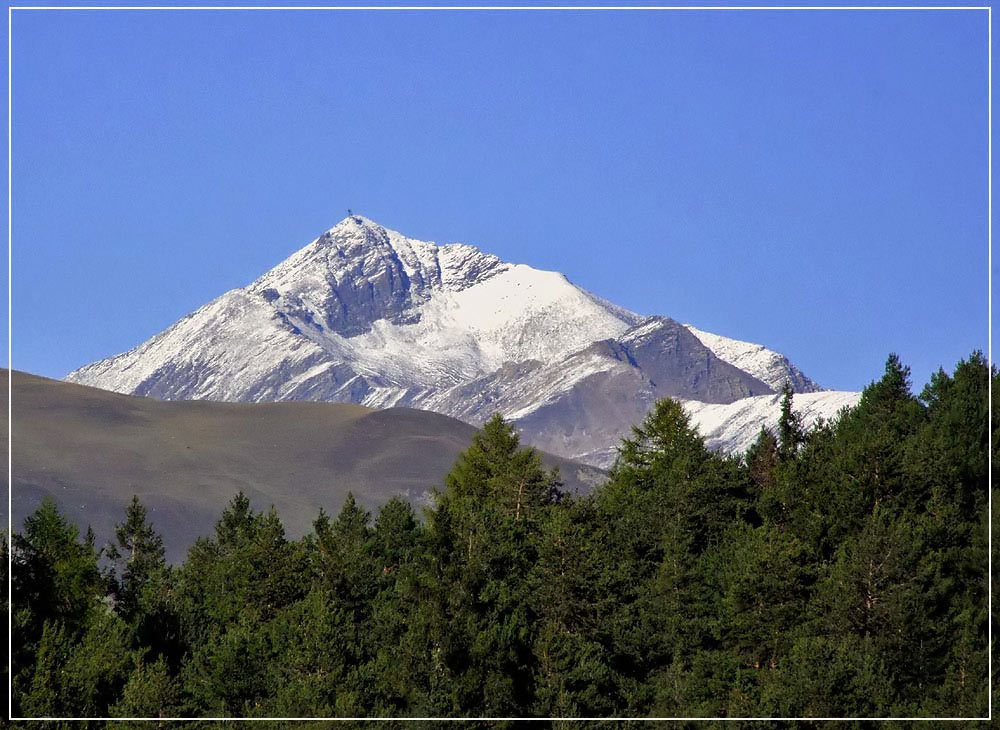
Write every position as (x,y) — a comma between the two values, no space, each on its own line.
(365,315)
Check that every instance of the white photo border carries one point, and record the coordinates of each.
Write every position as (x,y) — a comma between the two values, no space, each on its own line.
(495,8)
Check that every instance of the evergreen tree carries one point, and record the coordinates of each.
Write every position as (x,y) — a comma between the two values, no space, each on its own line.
(485,531)
(56,588)
(568,594)
(229,588)
(138,558)
(667,502)
(790,432)
(762,461)
(151,691)
(395,535)
(97,667)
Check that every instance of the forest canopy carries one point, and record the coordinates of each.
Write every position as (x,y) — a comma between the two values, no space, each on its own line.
(835,571)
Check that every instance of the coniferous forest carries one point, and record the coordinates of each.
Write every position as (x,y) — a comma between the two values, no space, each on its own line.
(839,571)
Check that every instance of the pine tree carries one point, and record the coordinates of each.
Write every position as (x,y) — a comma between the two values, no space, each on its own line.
(495,470)
(138,558)
(150,692)
(394,537)
(98,667)
(762,461)
(346,563)
(667,502)
(55,575)
(790,432)
(56,588)
(574,676)
(485,530)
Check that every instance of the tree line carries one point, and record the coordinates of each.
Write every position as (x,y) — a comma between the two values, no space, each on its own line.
(834,571)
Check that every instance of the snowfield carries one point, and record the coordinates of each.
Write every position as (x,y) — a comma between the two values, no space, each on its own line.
(735,426)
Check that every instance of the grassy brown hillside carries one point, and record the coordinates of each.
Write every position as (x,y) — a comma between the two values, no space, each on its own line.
(92,450)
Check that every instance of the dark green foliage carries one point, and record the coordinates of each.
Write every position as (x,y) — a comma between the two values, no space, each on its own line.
(57,591)
(137,558)
(149,692)
(485,531)
(4,613)
(839,571)
(790,434)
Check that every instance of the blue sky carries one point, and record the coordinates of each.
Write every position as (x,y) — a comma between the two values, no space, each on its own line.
(813,181)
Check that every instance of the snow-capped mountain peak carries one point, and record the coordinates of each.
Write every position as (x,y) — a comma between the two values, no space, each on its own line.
(365,314)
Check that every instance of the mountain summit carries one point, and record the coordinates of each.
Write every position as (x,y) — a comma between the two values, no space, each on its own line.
(364,314)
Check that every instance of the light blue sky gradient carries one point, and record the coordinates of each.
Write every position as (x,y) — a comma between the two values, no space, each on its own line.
(813,181)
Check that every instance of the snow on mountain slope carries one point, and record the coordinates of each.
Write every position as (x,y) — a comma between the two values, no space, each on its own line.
(658,356)
(212,353)
(417,302)
(767,365)
(582,406)
(366,315)
(363,313)
(735,426)
(729,427)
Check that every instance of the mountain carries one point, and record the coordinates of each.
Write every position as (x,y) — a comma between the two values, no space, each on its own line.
(92,450)
(365,315)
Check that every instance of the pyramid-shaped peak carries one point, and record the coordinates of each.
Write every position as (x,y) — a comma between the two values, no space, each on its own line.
(358,220)
(364,236)
(354,224)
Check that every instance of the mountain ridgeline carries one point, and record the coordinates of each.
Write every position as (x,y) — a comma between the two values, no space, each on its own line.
(368,316)
(833,571)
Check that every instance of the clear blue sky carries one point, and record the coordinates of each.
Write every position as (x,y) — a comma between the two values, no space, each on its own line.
(814,181)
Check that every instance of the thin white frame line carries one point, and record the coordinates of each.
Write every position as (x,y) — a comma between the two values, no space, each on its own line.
(499,7)
(10,516)
(989,347)
(10,379)
(505,719)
